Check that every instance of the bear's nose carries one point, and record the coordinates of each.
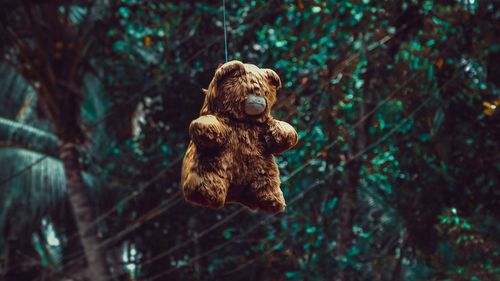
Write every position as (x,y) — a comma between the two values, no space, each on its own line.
(255,105)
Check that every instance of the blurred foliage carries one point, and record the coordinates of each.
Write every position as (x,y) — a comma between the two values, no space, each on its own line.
(395,177)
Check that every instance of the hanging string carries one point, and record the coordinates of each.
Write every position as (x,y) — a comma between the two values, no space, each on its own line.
(225,31)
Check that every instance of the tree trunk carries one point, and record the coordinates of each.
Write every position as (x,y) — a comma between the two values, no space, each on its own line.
(82,211)
(348,195)
(346,209)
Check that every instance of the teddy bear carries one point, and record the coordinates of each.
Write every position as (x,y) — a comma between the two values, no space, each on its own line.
(230,158)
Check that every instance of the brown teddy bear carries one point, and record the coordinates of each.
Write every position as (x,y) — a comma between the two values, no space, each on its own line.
(230,156)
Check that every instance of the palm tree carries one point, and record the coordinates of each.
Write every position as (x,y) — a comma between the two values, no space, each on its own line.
(34,214)
(50,45)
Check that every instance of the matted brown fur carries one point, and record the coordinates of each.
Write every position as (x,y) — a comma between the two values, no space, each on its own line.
(230,156)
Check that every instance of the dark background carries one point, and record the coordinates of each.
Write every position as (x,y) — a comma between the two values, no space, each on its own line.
(395,176)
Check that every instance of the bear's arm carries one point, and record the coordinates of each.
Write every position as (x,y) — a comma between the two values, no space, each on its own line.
(280,137)
(208,133)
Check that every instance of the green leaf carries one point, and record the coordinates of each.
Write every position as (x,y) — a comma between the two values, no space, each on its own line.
(311,229)
(124,12)
(332,203)
(291,274)
(228,232)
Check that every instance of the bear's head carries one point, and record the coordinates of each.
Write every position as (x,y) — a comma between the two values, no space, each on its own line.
(241,92)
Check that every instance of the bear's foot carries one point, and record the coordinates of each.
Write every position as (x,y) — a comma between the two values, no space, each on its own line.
(265,200)
(271,204)
(209,191)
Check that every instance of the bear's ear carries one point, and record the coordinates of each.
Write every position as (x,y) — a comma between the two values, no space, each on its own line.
(273,78)
(228,69)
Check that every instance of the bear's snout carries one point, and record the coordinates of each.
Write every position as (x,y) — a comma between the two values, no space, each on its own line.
(255,105)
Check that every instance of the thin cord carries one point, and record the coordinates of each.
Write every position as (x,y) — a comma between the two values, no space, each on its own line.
(225,29)
(214,249)
(152,213)
(129,197)
(23,170)
(203,233)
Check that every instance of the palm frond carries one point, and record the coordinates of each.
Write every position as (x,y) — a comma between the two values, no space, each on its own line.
(19,100)
(37,193)
(27,197)
(14,133)
(12,91)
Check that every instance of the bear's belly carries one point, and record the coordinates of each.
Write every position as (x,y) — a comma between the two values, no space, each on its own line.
(248,158)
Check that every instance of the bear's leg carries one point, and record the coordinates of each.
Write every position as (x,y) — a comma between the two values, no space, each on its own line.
(265,193)
(209,190)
